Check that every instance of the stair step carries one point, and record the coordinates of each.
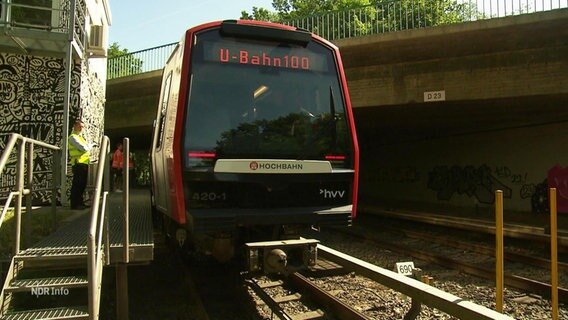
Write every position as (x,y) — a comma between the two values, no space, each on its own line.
(80,312)
(67,282)
(51,254)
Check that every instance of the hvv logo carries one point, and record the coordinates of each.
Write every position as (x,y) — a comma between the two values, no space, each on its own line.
(332,194)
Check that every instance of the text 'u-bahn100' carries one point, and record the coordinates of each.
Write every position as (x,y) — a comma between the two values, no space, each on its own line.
(254,139)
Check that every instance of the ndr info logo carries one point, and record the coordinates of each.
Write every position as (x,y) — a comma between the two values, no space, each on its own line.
(49,291)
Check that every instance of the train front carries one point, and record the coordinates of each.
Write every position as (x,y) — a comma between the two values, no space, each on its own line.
(269,140)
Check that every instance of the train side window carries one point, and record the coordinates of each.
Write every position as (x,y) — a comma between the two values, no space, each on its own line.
(163,109)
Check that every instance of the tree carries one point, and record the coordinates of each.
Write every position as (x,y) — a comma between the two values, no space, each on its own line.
(334,19)
(121,63)
(260,14)
(114,50)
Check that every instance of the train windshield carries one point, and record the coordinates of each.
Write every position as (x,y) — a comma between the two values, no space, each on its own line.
(264,100)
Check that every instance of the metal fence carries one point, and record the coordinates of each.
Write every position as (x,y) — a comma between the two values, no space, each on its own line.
(387,16)
(52,16)
(139,62)
(391,16)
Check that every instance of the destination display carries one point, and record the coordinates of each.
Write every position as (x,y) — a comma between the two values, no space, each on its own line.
(297,58)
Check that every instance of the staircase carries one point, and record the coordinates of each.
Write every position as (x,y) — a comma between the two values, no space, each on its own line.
(60,277)
(44,283)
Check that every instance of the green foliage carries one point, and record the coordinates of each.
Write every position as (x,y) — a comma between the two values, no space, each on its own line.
(260,14)
(296,134)
(343,18)
(142,168)
(121,62)
(114,50)
(42,225)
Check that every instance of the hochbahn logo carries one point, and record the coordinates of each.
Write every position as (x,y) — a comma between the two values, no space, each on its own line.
(254,165)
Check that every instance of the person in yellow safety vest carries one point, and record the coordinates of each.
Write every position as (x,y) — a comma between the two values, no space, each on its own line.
(80,157)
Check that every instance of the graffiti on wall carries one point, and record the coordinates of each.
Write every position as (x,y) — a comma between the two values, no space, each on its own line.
(32,94)
(507,175)
(479,183)
(403,174)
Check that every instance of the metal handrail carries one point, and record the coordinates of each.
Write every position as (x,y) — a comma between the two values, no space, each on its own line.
(22,167)
(126,197)
(7,17)
(98,230)
(60,12)
(138,62)
(65,18)
(5,209)
(398,15)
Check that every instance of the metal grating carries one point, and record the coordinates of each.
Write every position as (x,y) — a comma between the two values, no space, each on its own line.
(141,229)
(70,241)
(79,312)
(67,282)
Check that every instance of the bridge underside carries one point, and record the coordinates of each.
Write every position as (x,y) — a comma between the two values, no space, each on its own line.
(131,108)
(422,121)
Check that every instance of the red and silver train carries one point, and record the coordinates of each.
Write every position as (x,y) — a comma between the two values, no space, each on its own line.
(254,137)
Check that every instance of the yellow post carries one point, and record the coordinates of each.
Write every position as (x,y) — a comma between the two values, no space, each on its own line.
(499,272)
(553,253)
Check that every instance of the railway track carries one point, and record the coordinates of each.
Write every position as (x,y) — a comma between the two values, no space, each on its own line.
(297,288)
(512,281)
(511,230)
(299,296)
(477,248)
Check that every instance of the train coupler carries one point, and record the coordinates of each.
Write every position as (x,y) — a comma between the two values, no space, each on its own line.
(277,256)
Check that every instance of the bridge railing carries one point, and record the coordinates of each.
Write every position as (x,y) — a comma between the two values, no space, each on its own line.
(387,16)
(139,61)
(391,16)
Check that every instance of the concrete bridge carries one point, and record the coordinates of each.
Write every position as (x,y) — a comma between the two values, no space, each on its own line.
(480,67)
(444,114)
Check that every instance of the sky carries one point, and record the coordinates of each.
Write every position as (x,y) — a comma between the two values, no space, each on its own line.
(138,25)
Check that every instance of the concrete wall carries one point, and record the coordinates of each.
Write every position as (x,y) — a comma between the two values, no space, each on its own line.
(464,170)
(502,125)
(136,96)
(516,56)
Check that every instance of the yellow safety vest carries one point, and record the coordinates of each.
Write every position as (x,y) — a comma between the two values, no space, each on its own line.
(76,155)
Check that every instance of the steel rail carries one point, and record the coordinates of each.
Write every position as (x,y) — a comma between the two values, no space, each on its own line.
(415,289)
(509,230)
(477,248)
(6,206)
(270,302)
(513,281)
(21,165)
(340,309)
(95,249)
